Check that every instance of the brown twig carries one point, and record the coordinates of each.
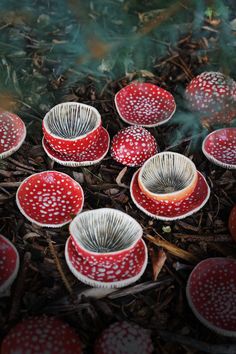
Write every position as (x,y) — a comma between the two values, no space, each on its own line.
(173,249)
(58,264)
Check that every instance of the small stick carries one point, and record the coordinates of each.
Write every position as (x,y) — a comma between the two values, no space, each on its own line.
(206,238)
(120,177)
(58,264)
(19,164)
(10,184)
(173,249)
(202,346)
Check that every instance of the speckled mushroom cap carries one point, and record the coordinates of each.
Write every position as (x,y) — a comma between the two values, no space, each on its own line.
(93,155)
(132,146)
(124,338)
(41,335)
(210,89)
(232,222)
(72,127)
(12,133)
(212,296)
(220,147)
(144,104)
(9,264)
(50,198)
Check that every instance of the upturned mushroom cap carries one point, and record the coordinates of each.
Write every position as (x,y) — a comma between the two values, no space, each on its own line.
(132,146)
(12,133)
(220,147)
(50,198)
(9,264)
(232,222)
(144,104)
(211,294)
(124,337)
(71,127)
(41,335)
(210,92)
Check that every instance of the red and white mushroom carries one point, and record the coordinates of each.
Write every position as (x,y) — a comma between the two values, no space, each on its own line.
(132,146)
(50,198)
(232,222)
(106,248)
(42,335)
(12,133)
(213,94)
(144,104)
(220,147)
(211,294)
(9,264)
(124,337)
(71,127)
(93,155)
(164,210)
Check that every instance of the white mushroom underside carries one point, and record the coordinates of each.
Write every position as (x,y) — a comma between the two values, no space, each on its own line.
(105,231)
(167,173)
(70,120)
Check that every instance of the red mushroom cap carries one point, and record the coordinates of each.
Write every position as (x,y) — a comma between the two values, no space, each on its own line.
(144,104)
(211,294)
(232,222)
(132,146)
(220,147)
(214,94)
(50,198)
(12,133)
(124,337)
(42,335)
(9,264)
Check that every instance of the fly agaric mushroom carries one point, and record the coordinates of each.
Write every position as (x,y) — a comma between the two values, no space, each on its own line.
(211,294)
(219,147)
(124,337)
(12,133)
(132,146)
(106,248)
(72,127)
(213,94)
(9,264)
(50,198)
(232,222)
(168,176)
(144,104)
(41,335)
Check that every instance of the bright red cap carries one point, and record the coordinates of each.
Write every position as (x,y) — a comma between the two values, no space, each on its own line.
(211,294)
(232,222)
(42,335)
(50,198)
(144,104)
(12,133)
(9,264)
(124,337)
(210,92)
(132,146)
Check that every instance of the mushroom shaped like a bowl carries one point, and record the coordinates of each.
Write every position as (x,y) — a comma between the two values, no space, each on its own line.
(132,146)
(232,222)
(214,95)
(105,248)
(42,335)
(168,176)
(72,127)
(219,147)
(50,198)
(12,133)
(124,337)
(211,294)
(9,264)
(144,104)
